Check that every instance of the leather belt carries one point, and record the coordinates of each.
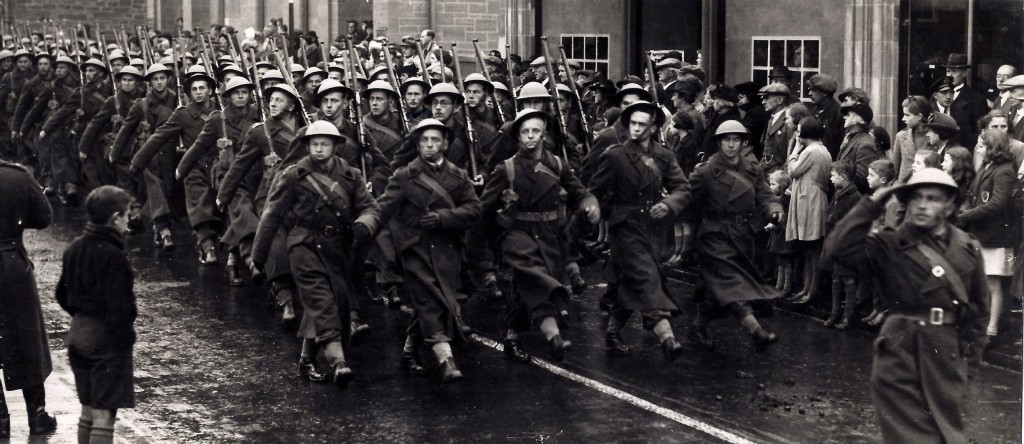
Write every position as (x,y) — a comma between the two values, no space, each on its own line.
(544,216)
(326,230)
(734,218)
(934,316)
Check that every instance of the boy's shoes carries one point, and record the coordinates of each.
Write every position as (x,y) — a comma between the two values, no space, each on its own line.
(342,375)
(514,351)
(615,344)
(763,338)
(308,369)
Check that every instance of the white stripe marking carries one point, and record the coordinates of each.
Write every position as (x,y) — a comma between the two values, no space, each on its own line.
(623,396)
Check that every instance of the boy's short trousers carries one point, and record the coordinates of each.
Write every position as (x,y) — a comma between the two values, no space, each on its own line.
(103,375)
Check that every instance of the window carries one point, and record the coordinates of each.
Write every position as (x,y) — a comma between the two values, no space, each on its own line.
(589,50)
(799,54)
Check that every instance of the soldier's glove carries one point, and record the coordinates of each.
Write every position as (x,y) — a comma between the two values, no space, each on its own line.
(776,217)
(593,214)
(42,135)
(221,206)
(360,236)
(430,221)
(79,113)
(224,143)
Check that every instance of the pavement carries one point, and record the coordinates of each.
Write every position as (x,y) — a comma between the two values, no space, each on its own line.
(213,365)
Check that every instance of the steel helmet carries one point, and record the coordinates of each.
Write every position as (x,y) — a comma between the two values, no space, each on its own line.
(295,67)
(479,78)
(377,71)
(264,64)
(224,69)
(312,71)
(288,91)
(235,83)
(498,86)
(197,72)
(445,89)
(426,124)
(564,89)
(95,63)
(273,74)
(643,106)
(731,127)
(66,60)
(928,177)
(157,68)
(527,114)
(380,85)
(129,71)
(330,85)
(413,81)
(322,128)
(632,88)
(533,90)
(166,60)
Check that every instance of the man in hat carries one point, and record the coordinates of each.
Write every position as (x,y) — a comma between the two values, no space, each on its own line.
(615,134)
(825,108)
(775,138)
(755,116)
(493,66)
(781,74)
(7,150)
(942,102)
(58,159)
(858,146)
(667,71)
(478,90)
(532,194)
(27,130)
(534,96)
(643,187)
(723,102)
(443,101)
(325,237)
(1015,86)
(101,130)
(965,98)
(432,201)
(144,117)
(182,127)
(933,279)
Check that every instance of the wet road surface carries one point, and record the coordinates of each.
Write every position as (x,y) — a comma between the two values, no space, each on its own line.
(213,365)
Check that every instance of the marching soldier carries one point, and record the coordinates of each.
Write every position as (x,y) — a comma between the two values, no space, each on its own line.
(183,126)
(413,91)
(27,130)
(144,117)
(98,136)
(224,130)
(433,201)
(83,105)
(60,162)
(531,194)
(329,213)
(933,281)
(629,181)
(730,194)
(7,69)
(444,99)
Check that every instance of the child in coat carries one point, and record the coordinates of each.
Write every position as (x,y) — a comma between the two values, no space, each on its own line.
(95,287)
(778,183)
(844,276)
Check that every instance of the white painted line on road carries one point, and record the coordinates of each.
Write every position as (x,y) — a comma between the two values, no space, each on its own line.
(623,396)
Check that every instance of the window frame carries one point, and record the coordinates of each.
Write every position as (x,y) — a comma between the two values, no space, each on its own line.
(594,63)
(797,70)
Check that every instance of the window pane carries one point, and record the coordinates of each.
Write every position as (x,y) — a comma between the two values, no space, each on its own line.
(760,77)
(775,52)
(760,53)
(603,68)
(602,48)
(591,48)
(567,43)
(811,54)
(577,47)
(794,54)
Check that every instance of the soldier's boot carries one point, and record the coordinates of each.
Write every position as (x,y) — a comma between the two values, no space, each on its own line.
(358,329)
(449,372)
(234,274)
(70,196)
(284,296)
(576,281)
(670,347)
(259,277)
(341,375)
(613,334)
(393,299)
(491,290)
(763,339)
(39,421)
(411,356)
(308,367)
(166,240)
(514,349)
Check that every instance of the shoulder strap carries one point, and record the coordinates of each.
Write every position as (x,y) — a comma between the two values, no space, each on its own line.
(437,188)
(739,177)
(943,269)
(510,171)
(376,126)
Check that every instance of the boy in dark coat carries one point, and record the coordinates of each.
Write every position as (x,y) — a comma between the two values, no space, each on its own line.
(844,276)
(95,287)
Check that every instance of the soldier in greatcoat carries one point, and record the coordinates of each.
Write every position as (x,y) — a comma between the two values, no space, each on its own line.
(27,130)
(80,108)
(433,202)
(183,127)
(59,164)
(629,182)
(730,196)
(24,350)
(532,194)
(99,134)
(327,211)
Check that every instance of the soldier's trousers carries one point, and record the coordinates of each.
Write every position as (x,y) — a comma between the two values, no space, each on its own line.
(64,165)
(158,179)
(8,150)
(480,246)
(919,382)
(200,204)
(42,150)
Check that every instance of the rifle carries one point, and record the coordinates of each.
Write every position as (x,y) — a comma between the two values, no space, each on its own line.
(511,76)
(553,87)
(652,83)
(216,92)
(239,60)
(324,54)
(478,180)
(145,55)
(103,41)
(393,78)
(360,128)
(177,74)
(259,100)
(494,97)
(302,49)
(290,80)
(579,103)
(423,64)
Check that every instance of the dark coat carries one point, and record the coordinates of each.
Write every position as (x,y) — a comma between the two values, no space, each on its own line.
(144,117)
(24,350)
(617,134)
(35,87)
(859,147)
(98,133)
(988,215)
(505,147)
(844,200)
(386,134)
(96,93)
(457,153)
(431,258)
(1016,131)
(973,106)
(96,281)
(628,182)
(832,122)
(756,119)
(727,199)
(55,95)
(775,144)
(378,167)
(321,262)
(203,152)
(710,144)
(536,249)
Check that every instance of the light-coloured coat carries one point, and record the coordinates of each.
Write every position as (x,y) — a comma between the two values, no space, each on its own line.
(808,206)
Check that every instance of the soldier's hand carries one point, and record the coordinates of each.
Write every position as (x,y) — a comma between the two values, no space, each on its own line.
(79,113)
(82,155)
(115,119)
(15,135)
(42,134)
(883,194)
(660,211)
(221,206)
(776,217)
(478,181)
(430,221)
(224,143)
(177,175)
(593,214)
